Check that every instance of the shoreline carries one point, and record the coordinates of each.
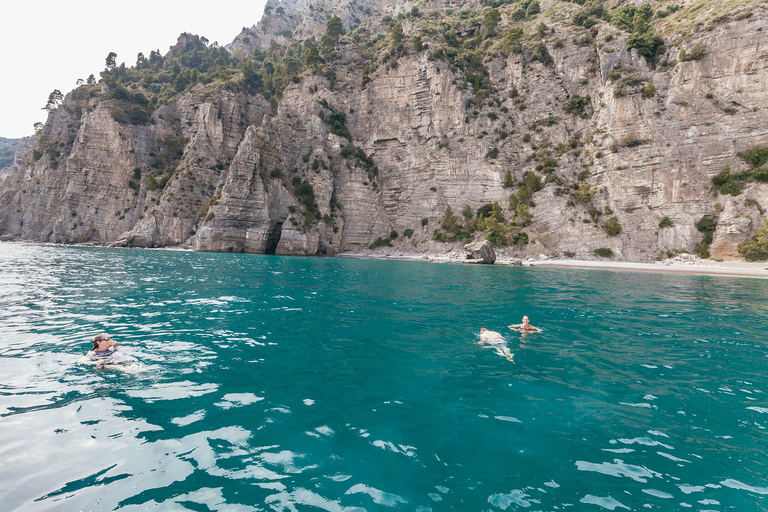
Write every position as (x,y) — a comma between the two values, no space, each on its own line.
(754,270)
(735,268)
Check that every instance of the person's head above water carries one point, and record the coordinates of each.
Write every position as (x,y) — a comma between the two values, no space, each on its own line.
(103,341)
(483,329)
(525,326)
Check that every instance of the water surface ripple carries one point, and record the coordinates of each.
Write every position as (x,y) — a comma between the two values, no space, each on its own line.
(289,384)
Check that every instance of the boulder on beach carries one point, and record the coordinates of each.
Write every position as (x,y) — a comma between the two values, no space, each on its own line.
(480,251)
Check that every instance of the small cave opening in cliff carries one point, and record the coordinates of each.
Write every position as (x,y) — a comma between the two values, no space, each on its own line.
(274,237)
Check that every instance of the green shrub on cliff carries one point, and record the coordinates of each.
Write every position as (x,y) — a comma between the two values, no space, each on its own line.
(612,226)
(669,9)
(495,232)
(627,85)
(706,225)
(484,210)
(648,44)
(649,91)
(450,222)
(532,181)
(520,238)
(756,156)
(170,151)
(590,14)
(337,120)
(541,54)
(643,38)
(351,151)
(491,20)
(152,183)
(139,115)
(583,192)
(306,195)
(518,13)
(761,174)
(731,188)
(577,105)
(397,33)
(418,45)
(381,242)
(756,248)
(724,181)
(451,228)
(119,115)
(698,51)
(522,217)
(623,17)
(512,40)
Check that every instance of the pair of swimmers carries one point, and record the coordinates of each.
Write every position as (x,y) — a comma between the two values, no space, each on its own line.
(486,335)
(498,341)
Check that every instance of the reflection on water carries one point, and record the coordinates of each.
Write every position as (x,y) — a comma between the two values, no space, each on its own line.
(270,383)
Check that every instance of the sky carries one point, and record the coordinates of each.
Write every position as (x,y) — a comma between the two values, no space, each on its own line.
(50,44)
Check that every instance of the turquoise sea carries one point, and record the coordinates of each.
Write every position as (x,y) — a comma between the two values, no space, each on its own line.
(296,384)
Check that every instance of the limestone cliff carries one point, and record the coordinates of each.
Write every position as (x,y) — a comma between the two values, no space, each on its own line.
(11,154)
(385,135)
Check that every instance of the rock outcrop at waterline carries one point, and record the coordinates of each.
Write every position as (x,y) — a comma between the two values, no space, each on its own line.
(222,168)
(480,252)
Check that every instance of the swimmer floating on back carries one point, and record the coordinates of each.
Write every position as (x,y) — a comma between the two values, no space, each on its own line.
(105,352)
(497,341)
(525,326)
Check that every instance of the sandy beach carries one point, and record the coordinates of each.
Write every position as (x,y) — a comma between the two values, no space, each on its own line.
(685,264)
(755,270)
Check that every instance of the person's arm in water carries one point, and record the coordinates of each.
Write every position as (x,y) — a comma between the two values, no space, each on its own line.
(88,358)
(523,327)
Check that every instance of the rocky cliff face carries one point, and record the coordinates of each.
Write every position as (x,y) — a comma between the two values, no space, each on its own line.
(306,19)
(222,169)
(12,152)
